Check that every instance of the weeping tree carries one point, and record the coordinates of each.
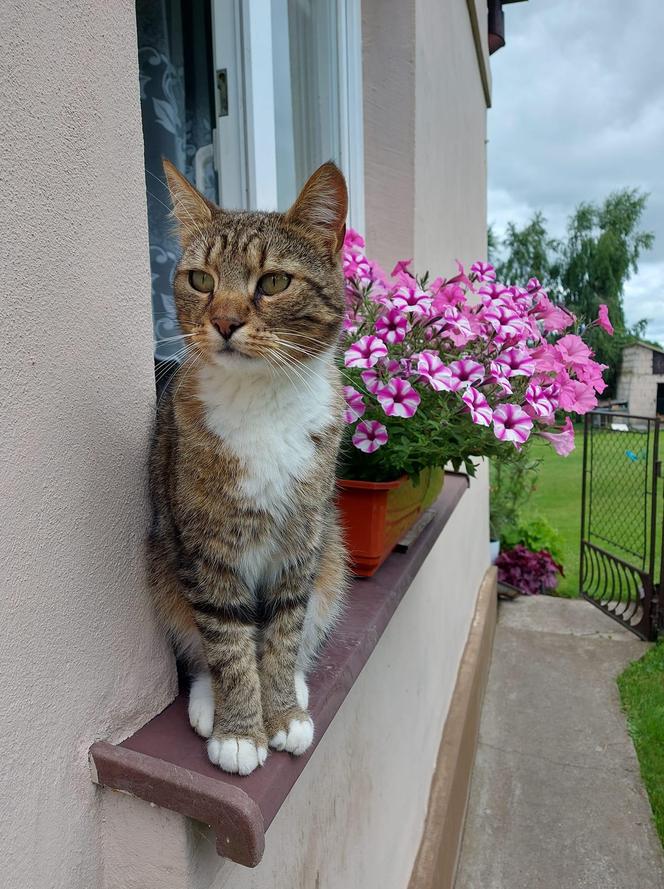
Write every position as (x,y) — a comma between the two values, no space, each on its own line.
(586,268)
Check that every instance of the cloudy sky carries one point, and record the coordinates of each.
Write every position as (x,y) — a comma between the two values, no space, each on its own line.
(578,111)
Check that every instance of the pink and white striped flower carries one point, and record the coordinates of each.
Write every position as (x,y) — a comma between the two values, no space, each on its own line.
(398,398)
(392,326)
(516,362)
(511,423)
(355,405)
(369,435)
(412,300)
(366,352)
(433,372)
(483,271)
(465,371)
(538,404)
(478,407)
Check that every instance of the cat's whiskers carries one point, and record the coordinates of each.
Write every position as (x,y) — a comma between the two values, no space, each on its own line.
(286,365)
(343,373)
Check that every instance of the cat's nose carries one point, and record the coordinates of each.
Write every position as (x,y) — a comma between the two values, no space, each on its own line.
(226,326)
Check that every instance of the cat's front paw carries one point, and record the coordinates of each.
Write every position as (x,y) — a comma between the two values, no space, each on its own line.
(237,755)
(201,705)
(295,733)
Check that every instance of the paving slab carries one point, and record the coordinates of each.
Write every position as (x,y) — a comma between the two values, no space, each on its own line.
(556,799)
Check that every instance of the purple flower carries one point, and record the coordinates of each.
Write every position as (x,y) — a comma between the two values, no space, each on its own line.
(365,352)
(511,423)
(392,327)
(483,271)
(355,405)
(476,403)
(398,398)
(369,435)
(529,572)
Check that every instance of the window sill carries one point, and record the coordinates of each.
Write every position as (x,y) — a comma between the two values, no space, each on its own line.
(165,763)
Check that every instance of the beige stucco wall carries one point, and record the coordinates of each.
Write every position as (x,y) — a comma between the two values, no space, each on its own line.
(637,385)
(355,816)
(79,656)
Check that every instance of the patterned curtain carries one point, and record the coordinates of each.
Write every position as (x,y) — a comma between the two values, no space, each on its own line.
(177,105)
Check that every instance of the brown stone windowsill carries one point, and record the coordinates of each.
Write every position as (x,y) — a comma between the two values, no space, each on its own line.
(165,762)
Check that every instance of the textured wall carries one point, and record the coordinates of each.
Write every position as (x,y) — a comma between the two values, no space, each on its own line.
(354,818)
(79,655)
(637,385)
(450,139)
(388,71)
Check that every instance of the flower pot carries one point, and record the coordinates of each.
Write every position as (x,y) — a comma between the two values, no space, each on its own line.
(376,515)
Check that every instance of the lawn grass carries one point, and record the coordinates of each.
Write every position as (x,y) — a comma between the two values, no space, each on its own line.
(557,497)
(642,694)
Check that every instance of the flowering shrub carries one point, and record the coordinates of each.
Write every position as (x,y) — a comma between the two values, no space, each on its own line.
(528,571)
(455,368)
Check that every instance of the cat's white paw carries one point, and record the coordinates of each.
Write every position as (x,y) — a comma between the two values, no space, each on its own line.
(301,690)
(297,739)
(201,705)
(237,755)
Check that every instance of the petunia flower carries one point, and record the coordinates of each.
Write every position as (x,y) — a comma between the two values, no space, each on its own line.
(516,362)
(511,423)
(392,326)
(573,352)
(476,403)
(433,372)
(483,271)
(369,435)
(563,441)
(355,405)
(398,398)
(366,352)
(603,319)
(538,404)
(465,371)
(401,268)
(412,300)
(353,238)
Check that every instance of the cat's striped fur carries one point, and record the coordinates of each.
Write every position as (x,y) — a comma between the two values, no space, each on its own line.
(246,562)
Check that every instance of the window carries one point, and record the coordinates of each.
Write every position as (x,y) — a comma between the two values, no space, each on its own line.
(247,98)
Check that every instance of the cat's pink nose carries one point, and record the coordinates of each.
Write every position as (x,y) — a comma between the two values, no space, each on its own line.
(226,326)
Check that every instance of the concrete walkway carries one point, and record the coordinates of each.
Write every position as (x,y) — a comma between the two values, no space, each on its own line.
(556,800)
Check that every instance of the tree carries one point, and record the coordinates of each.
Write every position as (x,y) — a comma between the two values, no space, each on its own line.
(590,266)
(528,252)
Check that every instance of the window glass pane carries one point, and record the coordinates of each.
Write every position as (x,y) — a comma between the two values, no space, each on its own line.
(306,80)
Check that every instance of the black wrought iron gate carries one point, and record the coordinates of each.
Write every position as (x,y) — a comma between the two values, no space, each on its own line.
(621,519)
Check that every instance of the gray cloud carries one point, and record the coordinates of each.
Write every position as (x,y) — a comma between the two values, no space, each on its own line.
(578,111)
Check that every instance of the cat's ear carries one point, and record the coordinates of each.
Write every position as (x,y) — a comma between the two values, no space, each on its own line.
(323,204)
(191,209)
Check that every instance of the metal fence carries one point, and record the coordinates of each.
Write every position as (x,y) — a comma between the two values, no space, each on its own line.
(621,519)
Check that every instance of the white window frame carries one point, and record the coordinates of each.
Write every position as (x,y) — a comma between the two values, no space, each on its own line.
(245,143)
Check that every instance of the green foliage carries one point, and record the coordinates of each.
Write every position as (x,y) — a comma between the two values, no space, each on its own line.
(528,252)
(588,267)
(535,534)
(512,483)
(641,688)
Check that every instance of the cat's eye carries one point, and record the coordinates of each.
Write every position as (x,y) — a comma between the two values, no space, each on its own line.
(273,282)
(201,281)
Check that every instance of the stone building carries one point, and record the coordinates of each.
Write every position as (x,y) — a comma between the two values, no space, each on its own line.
(641,380)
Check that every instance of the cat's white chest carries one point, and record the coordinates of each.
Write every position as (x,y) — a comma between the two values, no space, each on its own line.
(267,421)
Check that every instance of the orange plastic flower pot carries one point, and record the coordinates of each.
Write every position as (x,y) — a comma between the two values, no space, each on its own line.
(376,515)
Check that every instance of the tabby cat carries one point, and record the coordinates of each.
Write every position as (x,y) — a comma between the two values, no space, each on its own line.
(246,562)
